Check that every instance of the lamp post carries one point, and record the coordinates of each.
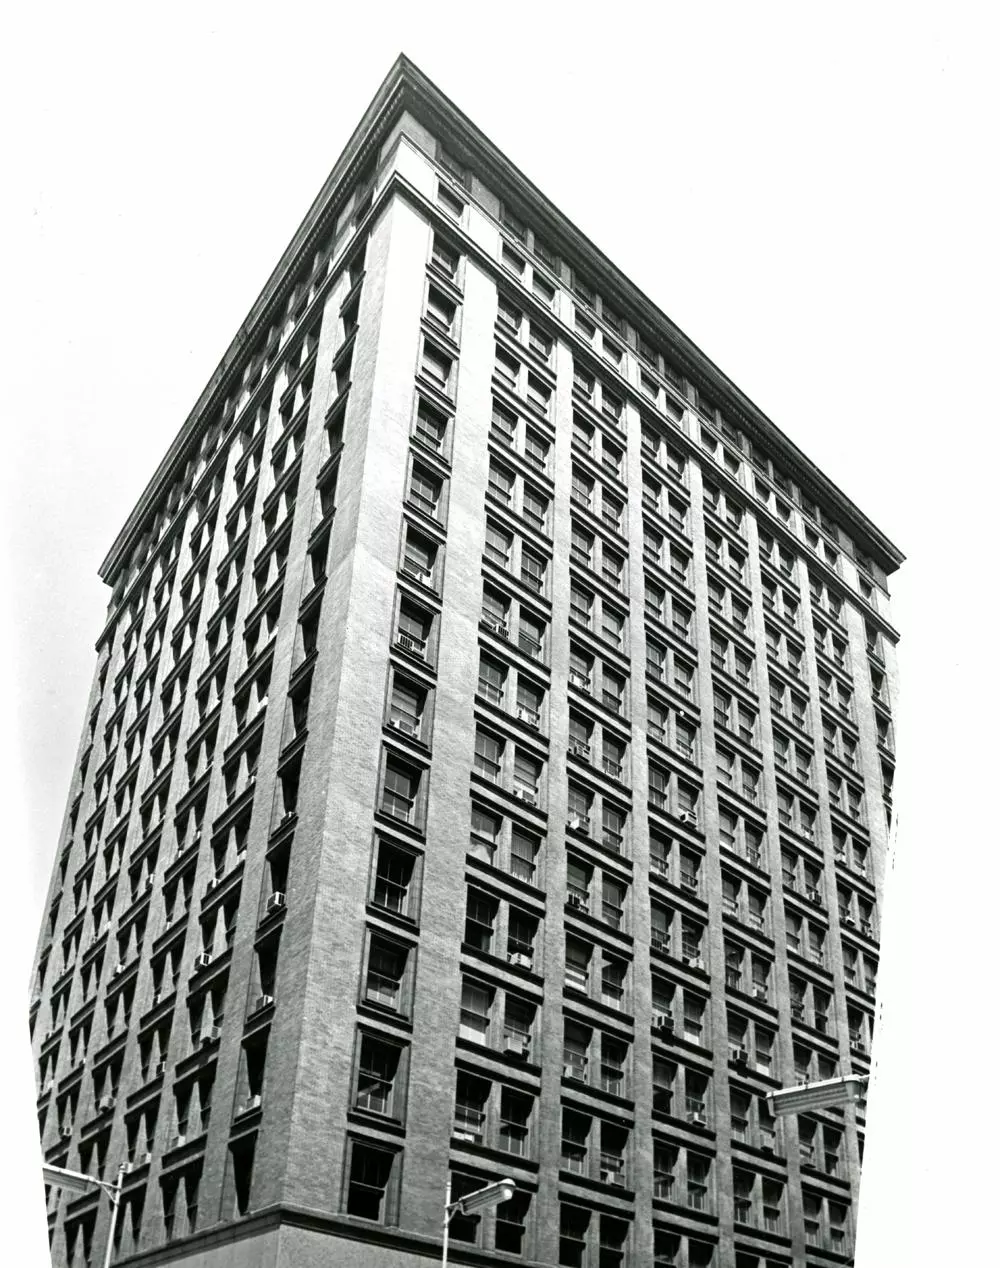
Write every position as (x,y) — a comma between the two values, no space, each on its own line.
(490,1195)
(80,1182)
(846,1089)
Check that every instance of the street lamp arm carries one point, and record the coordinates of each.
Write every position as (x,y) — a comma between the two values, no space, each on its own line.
(844,1089)
(78,1181)
(490,1195)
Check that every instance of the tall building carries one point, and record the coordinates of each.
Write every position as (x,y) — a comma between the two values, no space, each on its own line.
(487,772)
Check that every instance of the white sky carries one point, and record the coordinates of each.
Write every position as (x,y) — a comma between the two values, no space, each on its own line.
(809,193)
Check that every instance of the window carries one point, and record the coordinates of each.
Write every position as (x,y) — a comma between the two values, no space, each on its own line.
(474,1018)
(539,394)
(440,310)
(378,1066)
(533,568)
(384,980)
(612,625)
(582,489)
(413,629)
(451,202)
(498,544)
(480,916)
(488,752)
(534,507)
(536,449)
(581,546)
(503,423)
(540,342)
(406,705)
(425,490)
(419,555)
(523,850)
(507,368)
(436,365)
(370,1175)
(509,315)
(400,786)
(501,483)
(527,775)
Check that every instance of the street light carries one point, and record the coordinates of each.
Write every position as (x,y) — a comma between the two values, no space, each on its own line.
(80,1182)
(491,1195)
(846,1089)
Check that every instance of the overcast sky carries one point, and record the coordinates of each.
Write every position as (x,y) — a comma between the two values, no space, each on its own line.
(809,193)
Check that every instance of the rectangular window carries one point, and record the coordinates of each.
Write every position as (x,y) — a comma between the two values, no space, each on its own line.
(369,1175)
(436,365)
(399,791)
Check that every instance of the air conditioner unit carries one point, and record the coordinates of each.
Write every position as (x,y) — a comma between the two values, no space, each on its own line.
(105,1103)
(519,960)
(159,1069)
(287,816)
(760,992)
(213,883)
(694,961)
(576,900)
(118,970)
(581,750)
(66,1132)
(157,997)
(526,795)
(252,1103)
(848,920)
(276,901)
(573,1072)
(209,1035)
(658,943)
(527,715)
(663,1022)
(202,961)
(149,884)
(262,1001)
(814,895)
(688,816)
(739,1055)
(698,1120)
(498,627)
(140,1160)
(409,644)
(517,1045)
